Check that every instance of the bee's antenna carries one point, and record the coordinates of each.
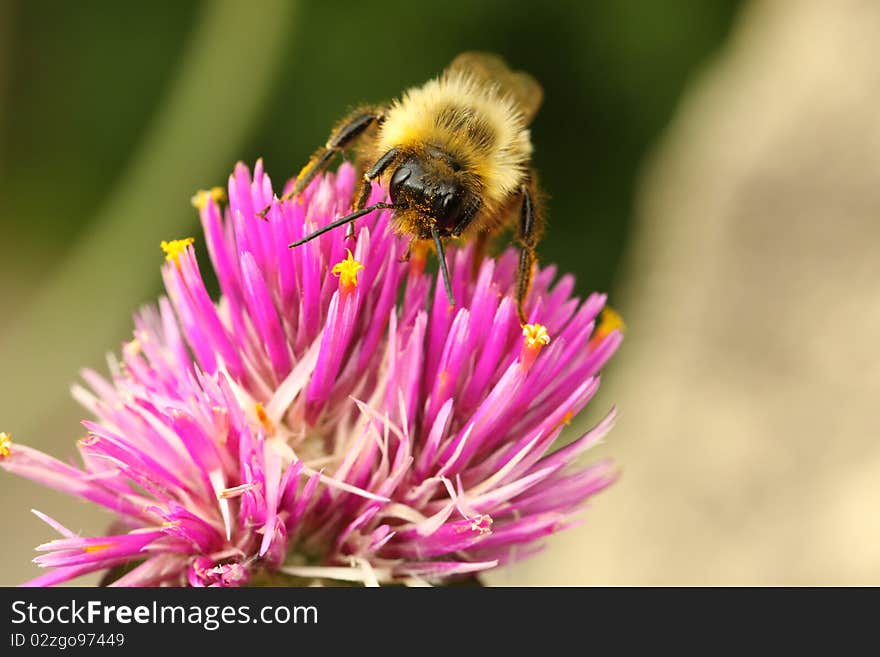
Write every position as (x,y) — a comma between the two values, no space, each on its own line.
(441,256)
(341,222)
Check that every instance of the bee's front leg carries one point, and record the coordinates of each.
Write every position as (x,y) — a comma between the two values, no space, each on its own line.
(345,134)
(367,179)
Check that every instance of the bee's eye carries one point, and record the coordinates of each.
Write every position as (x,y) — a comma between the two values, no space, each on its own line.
(448,211)
(407,183)
(398,180)
(451,204)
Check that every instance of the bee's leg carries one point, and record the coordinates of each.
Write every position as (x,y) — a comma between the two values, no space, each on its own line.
(356,194)
(367,182)
(347,131)
(528,234)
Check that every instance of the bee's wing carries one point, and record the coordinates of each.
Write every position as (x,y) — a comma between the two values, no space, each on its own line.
(521,86)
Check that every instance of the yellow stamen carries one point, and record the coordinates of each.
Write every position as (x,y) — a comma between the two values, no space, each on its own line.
(200,198)
(5,445)
(536,336)
(174,248)
(482,524)
(97,548)
(235,491)
(132,348)
(87,441)
(609,321)
(347,271)
(268,427)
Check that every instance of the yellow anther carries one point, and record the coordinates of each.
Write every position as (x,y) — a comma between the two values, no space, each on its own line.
(88,441)
(97,548)
(347,271)
(5,445)
(200,198)
(268,427)
(174,248)
(132,348)
(480,524)
(609,321)
(536,336)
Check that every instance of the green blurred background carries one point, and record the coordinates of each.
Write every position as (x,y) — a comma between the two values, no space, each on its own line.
(112,114)
(82,85)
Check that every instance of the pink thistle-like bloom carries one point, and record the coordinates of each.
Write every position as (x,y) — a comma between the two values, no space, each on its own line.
(331,416)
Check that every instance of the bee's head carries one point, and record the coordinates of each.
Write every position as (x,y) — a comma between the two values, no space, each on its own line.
(431,184)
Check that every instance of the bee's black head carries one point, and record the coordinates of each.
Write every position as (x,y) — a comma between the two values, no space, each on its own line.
(431,185)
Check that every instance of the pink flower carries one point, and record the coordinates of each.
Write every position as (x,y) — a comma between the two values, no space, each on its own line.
(331,416)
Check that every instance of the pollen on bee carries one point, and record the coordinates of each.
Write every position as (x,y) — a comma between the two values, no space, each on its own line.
(200,199)
(174,248)
(535,337)
(5,445)
(347,271)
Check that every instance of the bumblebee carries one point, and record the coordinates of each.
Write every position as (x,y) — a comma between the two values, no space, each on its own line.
(455,154)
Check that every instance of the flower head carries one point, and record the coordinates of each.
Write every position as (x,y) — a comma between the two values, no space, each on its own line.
(330,416)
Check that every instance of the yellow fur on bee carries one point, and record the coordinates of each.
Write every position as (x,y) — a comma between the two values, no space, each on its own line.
(469,120)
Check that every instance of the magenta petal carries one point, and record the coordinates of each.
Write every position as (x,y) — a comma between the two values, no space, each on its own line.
(302,417)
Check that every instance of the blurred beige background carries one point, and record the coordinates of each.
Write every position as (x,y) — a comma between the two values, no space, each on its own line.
(749,437)
(748,383)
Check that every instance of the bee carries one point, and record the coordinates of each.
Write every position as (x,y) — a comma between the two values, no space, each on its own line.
(455,153)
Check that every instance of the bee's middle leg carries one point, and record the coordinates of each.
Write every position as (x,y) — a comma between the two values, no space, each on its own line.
(528,234)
